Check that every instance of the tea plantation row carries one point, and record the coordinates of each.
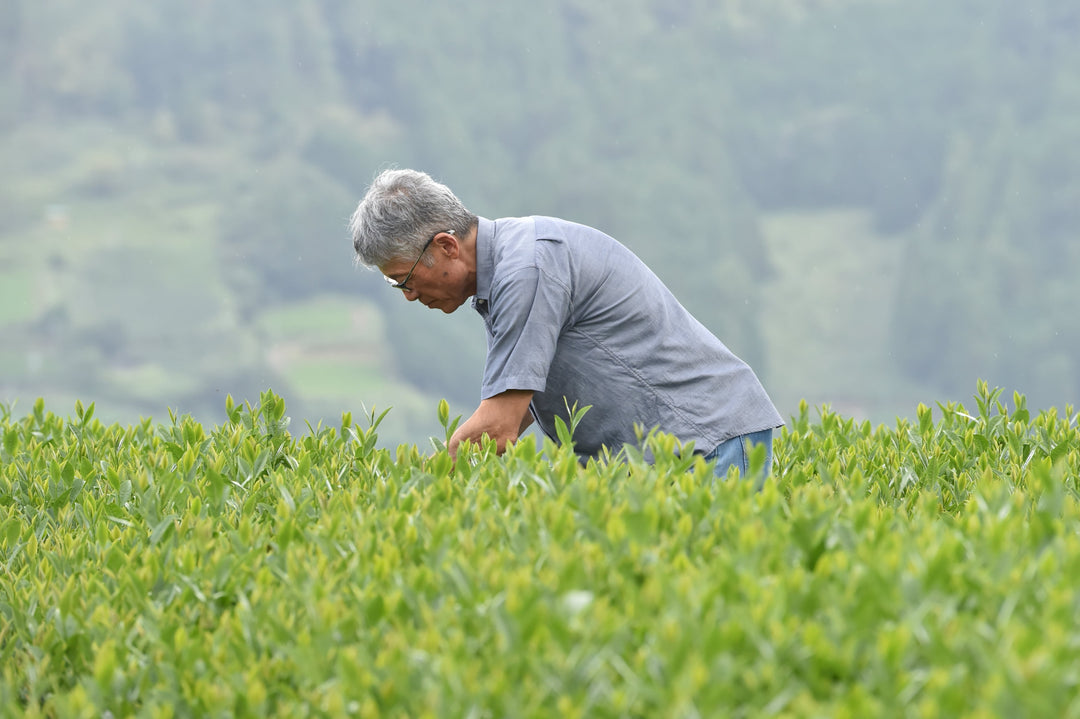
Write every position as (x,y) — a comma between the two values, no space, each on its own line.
(928,569)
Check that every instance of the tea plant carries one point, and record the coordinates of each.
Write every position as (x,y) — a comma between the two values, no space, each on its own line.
(174,570)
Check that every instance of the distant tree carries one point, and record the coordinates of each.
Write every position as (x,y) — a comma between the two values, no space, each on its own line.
(214,70)
(612,119)
(285,238)
(989,273)
(349,146)
(10,31)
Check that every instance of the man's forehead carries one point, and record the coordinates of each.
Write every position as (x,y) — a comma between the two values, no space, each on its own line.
(393,267)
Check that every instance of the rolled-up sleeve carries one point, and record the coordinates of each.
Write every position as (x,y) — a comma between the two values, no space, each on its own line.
(528,311)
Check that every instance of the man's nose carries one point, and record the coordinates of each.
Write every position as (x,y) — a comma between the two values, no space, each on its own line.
(411,295)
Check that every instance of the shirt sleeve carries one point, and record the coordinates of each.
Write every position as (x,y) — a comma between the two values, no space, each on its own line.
(528,309)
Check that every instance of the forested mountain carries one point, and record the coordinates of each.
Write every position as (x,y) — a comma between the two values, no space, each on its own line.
(875,202)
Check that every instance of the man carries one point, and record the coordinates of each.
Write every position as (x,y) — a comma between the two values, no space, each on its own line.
(572,317)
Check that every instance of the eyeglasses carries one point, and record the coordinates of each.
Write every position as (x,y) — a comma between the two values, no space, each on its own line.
(403,285)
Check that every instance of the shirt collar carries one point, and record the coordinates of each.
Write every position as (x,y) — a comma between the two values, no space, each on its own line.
(485,259)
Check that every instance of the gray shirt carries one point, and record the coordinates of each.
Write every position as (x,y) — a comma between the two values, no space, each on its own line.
(576,317)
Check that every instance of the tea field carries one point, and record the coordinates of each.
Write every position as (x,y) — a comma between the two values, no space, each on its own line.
(261,569)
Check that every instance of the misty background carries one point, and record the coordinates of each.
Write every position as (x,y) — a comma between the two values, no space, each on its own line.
(874,202)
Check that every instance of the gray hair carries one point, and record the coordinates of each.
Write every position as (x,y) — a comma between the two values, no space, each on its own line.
(401,211)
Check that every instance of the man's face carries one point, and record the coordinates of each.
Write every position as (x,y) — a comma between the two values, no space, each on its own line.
(442,286)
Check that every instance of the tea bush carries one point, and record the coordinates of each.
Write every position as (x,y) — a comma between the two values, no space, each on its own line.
(926,569)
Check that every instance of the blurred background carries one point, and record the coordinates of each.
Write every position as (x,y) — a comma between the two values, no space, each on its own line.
(874,202)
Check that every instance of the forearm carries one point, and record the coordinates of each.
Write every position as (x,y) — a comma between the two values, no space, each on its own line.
(501,418)
(526,422)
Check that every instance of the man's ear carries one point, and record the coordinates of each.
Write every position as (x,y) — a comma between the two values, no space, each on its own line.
(448,244)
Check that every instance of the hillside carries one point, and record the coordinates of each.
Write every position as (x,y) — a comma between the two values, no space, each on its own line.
(869,227)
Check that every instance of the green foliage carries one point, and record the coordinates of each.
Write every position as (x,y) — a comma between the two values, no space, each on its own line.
(241,570)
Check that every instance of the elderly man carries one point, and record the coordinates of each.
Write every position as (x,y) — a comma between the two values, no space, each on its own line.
(572,317)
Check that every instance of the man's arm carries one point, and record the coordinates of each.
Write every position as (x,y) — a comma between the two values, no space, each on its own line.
(501,418)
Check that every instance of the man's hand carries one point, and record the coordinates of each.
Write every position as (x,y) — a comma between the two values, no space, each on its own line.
(502,418)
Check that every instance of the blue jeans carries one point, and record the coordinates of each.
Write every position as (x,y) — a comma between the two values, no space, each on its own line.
(735,452)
